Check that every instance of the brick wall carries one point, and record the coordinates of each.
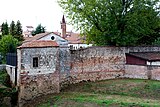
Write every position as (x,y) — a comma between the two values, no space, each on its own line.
(100,63)
(95,63)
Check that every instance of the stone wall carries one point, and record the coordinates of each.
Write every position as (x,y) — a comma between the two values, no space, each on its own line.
(100,63)
(143,49)
(38,85)
(136,71)
(60,67)
(47,57)
(95,63)
(41,80)
(154,72)
(142,72)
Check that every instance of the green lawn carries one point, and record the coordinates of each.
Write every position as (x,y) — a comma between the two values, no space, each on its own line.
(109,93)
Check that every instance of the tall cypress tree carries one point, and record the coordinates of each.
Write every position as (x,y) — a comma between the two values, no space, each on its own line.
(5,29)
(18,31)
(12,28)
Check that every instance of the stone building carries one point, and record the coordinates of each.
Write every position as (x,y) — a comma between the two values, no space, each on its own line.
(44,67)
(38,72)
(49,36)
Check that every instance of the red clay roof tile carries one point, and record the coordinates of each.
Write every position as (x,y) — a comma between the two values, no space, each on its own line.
(39,44)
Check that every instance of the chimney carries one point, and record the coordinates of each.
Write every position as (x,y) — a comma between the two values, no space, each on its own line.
(63,27)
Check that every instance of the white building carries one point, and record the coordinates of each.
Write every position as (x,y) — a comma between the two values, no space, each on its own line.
(28,31)
(49,36)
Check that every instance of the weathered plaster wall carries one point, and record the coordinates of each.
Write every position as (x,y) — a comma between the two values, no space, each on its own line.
(136,71)
(142,72)
(47,60)
(154,72)
(11,70)
(64,60)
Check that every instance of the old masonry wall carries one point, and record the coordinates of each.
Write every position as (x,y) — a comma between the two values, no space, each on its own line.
(41,80)
(60,67)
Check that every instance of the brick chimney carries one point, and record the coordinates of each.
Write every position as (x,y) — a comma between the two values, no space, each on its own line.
(63,27)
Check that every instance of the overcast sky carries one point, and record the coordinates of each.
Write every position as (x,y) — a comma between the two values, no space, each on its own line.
(32,12)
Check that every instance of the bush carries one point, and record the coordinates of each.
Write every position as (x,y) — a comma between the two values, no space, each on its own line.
(5,88)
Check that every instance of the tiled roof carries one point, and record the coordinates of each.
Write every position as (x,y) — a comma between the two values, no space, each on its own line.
(36,37)
(39,36)
(151,56)
(74,38)
(39,44)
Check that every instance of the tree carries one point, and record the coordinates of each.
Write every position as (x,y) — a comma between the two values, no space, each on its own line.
(5,29)
(115,22)
(18,31)
(39,29)
(12,28)
(8,44)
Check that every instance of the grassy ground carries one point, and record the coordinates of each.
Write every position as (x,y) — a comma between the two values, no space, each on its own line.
(109,93)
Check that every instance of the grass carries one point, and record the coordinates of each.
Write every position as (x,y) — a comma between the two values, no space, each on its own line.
(108,93)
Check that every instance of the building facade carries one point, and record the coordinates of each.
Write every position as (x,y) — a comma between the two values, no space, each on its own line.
(38,72)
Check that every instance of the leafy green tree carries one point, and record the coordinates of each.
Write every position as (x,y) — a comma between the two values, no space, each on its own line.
(18,31)
(39,29)
(8,44)
(5,29)
(12,28)
(115,22)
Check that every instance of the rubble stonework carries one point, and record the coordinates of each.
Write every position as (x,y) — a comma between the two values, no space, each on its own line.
(95,64)
(41,80)
(34,86)
(59,67)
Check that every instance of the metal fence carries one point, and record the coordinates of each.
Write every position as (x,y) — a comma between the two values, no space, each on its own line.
(11,59)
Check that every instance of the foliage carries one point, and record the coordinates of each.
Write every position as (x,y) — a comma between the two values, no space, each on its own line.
(115,22)
(3,76)
(15,30)
(12,28)
(5,29)
(19,31)
(6,90)
(8,44)
(39,29)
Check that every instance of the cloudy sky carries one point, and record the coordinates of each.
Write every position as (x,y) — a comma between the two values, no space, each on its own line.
(32,12)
